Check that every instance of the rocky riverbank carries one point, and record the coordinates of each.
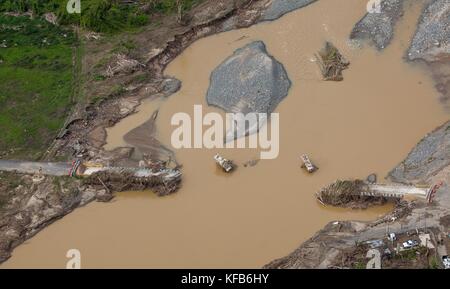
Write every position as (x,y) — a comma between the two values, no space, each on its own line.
(28,203)
(85,134)
(338,243)
(430,44)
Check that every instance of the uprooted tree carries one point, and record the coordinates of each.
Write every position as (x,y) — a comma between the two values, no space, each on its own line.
(331,62)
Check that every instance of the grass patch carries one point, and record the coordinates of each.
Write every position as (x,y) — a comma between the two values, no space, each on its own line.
(102,15)
(412,254)
(37,73)
(359,265)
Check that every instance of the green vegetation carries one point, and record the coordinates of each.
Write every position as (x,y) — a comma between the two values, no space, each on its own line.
(434,263)
(359,265)
(412,254)
(8,182)
(37,74)
(41,67)
(101,15)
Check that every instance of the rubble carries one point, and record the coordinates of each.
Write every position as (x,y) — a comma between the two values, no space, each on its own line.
(124,64)
(347,194)
(160,182)
(308,165)
(224,163)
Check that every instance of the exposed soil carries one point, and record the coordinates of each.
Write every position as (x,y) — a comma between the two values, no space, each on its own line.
(154,49)
(29,203)
(119,96)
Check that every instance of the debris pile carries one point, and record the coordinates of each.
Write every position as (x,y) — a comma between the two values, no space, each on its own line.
(331,62)
(112,181)
(124,64)
(347,194)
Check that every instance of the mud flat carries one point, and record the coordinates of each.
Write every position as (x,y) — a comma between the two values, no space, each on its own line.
(365,124)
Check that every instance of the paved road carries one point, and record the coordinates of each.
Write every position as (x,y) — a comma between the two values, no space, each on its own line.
(54,169)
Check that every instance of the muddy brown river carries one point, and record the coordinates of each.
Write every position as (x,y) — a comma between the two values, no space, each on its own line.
(362,125)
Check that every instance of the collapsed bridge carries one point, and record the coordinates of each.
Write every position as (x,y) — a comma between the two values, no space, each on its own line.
(343,192)
(161,179)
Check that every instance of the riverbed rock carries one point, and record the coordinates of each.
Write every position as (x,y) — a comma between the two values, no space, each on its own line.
(250,80)
(371,179)
(379,27)
(431,40)
(278,8)
(430,156)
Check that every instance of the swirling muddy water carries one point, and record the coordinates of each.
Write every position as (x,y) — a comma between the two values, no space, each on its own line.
(365,124)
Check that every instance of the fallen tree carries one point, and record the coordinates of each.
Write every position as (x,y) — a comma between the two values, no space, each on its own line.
(331,62)
(160,183)
(347,194)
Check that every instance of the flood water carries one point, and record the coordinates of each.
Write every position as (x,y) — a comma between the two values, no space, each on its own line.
(362,125)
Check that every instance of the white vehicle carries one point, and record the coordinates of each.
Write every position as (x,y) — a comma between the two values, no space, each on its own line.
(391,237)
(410,244)
(446,262)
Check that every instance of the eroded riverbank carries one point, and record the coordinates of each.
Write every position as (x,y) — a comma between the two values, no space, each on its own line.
(365,124)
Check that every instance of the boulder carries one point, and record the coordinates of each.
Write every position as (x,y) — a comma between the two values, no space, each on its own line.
(432,37)
(249,81)
(378,26)
(430,156)
(278,8)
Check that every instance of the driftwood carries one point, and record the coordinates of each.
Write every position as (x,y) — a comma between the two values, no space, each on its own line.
(331,62)
(347,194)
(126,181)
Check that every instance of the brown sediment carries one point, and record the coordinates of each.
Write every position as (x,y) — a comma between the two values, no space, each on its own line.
(88,122)
(441,75)
(353,128)
(143,138)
